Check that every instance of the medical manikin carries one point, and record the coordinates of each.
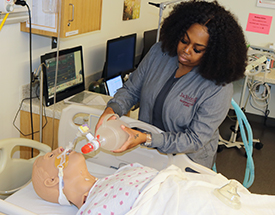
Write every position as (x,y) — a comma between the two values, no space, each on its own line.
(61,176)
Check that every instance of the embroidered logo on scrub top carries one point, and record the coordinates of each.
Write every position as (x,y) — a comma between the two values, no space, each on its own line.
(187,100)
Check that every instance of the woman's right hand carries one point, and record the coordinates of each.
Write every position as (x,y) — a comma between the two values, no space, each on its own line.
(107,111)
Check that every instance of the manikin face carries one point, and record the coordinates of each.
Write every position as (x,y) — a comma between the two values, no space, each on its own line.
(192,46)
(77,179)
(74,165)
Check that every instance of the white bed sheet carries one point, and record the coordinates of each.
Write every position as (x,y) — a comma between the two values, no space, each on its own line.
(175,192)
(28,199)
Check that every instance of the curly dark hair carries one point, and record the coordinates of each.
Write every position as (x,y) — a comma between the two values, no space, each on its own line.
(225,57)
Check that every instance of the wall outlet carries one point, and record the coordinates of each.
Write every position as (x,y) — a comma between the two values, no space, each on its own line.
(54,42)
(19,13)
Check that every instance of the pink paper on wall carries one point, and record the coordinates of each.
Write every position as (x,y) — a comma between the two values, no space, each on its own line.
(259,23)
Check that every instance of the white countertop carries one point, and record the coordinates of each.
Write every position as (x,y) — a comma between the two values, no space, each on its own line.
(56,109)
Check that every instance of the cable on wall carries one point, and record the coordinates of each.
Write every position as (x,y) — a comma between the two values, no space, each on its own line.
(23,3)
(16,115)
(4,20)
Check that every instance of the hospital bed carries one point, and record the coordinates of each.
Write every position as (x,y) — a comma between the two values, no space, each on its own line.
(102,163)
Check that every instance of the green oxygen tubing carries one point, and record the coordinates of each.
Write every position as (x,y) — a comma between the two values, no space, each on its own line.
(248,144)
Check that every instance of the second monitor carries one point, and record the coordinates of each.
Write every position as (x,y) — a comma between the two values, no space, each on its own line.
(120,56)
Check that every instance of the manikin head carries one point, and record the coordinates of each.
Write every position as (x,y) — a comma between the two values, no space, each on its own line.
(77,180)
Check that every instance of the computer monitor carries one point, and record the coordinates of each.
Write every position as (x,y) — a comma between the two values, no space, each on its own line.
(120,56)
(70,77)
(113,84)
(149,39)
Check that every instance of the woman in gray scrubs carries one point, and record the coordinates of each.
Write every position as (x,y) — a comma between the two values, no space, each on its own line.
(184,83)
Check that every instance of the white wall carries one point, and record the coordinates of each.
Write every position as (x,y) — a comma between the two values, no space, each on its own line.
(242,9)
(14,61)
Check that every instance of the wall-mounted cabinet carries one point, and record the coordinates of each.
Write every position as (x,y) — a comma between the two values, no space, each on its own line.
(77,17)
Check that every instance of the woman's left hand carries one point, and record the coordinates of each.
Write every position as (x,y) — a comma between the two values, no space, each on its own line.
(135,138)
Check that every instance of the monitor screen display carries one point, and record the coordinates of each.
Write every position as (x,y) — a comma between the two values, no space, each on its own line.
(113,85)
(70,76)
(120,56)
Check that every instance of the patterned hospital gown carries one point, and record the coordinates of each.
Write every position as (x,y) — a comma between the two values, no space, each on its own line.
(115,194)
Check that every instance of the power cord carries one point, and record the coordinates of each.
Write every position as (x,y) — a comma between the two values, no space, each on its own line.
(25,135)
(263,97)
(24,3)
(20,2)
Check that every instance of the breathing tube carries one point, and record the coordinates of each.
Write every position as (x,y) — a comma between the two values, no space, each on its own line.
(248,144)
(61,162)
